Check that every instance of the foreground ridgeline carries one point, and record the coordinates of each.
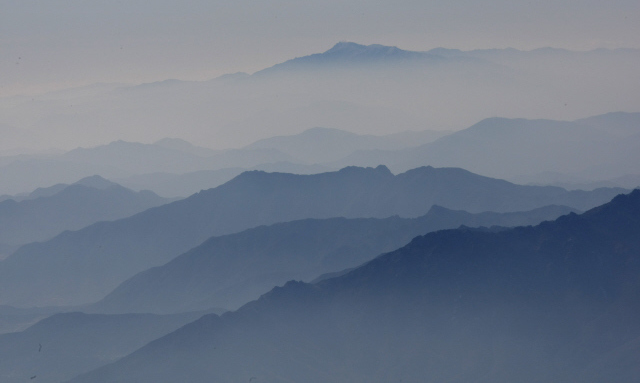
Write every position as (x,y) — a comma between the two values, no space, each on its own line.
(83,266)
(231,270)
(556,302)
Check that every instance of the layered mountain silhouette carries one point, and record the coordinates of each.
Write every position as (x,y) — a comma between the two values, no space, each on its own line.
(83,266)
(554,302)
(318,145)
(47,212)
(173,167)
(232,270)
(120,159)
(186,184)
(65,345)
(600,147)
(364,89)
(95,182)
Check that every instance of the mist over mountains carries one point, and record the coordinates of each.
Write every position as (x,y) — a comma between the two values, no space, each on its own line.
(82,266)
(120,159)
(174,167)
(229,271)
(322,145)
(599,151)
(47,212)
(368,213)
(596,148)
(439,89)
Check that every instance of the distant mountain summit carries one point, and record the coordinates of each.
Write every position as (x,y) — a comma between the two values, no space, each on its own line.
(96,182)
(344,53)
(348,50)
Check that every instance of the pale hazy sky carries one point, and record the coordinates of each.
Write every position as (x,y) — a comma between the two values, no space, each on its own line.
(49,44)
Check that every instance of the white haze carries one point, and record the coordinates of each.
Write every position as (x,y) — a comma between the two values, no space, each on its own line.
(453,92)
(72,43)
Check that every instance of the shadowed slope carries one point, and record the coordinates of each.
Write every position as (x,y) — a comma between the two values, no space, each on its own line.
(232,270)
(554,302)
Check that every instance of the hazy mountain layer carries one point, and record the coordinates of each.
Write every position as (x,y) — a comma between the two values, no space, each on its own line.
(629,181)
(65,345)
(14,319)
(363,89)
(600,147)
(121,159)
(186,184)
(83,266)
(174,167)
(232,270)
(49,211)
(319,145)
(555,302)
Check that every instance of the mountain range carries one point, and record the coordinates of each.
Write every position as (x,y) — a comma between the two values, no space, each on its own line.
(553,302)
(229,271)
(323,145)
(599,151)
(405,265)
(368,89)
(46,212)
(120,159)
(597,148)
(82,266)
(173,167)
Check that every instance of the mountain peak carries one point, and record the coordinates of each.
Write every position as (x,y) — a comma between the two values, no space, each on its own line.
(352,53)
(95,182)
(346,46)
(350,50)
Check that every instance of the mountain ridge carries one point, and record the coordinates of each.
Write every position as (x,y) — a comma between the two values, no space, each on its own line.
(552,302)
(596,147)
(107,253)
(228,271)
(47,212)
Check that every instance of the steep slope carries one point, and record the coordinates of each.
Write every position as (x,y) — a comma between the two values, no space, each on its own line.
(83,266)
(49,211)
(232,270)
(554,302)
(64,345)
